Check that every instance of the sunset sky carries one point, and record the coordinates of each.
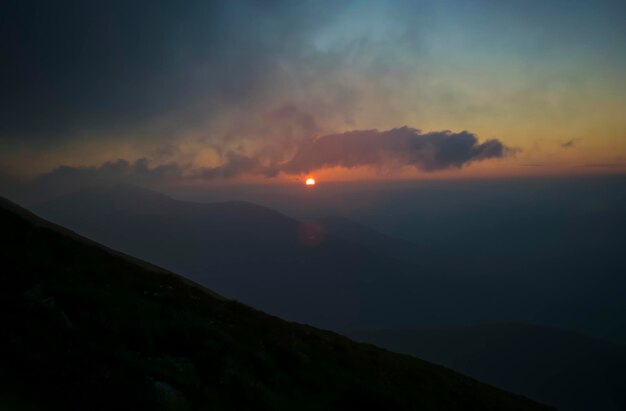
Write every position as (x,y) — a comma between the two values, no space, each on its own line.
(271,91)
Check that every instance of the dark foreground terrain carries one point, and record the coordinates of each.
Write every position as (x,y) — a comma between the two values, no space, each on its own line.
(84,327)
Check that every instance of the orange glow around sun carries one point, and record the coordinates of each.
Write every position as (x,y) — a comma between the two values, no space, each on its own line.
(310,182)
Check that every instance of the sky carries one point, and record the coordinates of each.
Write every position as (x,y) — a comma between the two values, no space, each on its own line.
(239,91)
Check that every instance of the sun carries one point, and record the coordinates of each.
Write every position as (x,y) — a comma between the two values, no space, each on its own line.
(310,182)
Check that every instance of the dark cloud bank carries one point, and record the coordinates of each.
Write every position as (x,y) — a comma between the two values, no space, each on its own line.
(395,148)
(403,146)
(90,66)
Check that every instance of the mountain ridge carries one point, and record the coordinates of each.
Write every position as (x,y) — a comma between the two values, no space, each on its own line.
(89,328)
(304,271)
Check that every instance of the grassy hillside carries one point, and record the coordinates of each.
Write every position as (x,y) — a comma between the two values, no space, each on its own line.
(84,327)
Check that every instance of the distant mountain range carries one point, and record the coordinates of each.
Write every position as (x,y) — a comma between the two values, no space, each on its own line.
(85,327)
(335,273)
(330,272)
(566,369)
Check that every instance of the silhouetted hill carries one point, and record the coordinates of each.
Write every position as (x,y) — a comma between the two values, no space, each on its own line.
(563,368)
(84,327)
(245,251)
(331,272)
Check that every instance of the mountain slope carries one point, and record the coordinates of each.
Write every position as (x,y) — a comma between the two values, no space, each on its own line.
(242,250)
(569,370)
(88,328)
(330,273)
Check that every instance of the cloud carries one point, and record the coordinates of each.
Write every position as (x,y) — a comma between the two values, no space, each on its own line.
(602,165)
(139,172)
(403,146)
(144,172)
(65,179)
(391,149)
(236,165)
(86,78)
(90,68)
(569,144)
(291,113)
